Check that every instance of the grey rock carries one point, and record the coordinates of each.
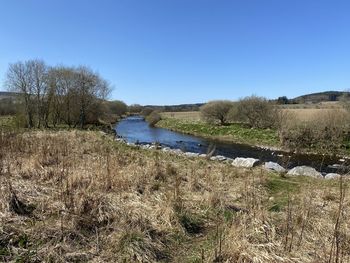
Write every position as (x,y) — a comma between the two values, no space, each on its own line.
(145,146)
(304,171)
(177,151)
(274,167)
(120,140)
(332,176)
(245,162)
(190,154)
(166,149)
(219,158)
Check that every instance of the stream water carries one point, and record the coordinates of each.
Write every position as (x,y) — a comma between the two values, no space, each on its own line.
(135,129)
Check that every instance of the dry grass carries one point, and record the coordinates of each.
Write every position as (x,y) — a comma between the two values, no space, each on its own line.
(81,197)
(311,114)
(301,113)
(187,115)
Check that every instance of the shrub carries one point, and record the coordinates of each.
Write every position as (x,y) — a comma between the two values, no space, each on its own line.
(153,118)
(146,111)
(118,107)
(326,131)
(216,111)
(257,111)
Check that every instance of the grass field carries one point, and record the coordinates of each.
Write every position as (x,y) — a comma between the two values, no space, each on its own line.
(298,111)
(81,197)
(238,133)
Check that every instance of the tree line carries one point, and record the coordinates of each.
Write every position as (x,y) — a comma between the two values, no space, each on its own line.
(49,95)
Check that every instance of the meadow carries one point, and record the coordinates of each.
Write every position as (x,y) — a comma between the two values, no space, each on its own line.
(79,196)
(302,112)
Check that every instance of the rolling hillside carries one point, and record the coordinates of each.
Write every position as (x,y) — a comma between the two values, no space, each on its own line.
(322,97)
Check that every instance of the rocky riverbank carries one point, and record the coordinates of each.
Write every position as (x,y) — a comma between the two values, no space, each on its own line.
(240,161)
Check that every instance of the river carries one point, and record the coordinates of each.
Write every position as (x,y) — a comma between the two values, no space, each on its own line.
(135,129)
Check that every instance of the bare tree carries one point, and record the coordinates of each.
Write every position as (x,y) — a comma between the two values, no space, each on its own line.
(118,107)
(18,79)
(63,86)
(90,88)
(38,73)
(257,111)
(71,95)
(216,111)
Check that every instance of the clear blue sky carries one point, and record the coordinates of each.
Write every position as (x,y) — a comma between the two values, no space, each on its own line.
(183,51)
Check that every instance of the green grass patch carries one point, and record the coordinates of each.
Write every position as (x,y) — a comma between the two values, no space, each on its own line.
(236,132)
(280,188)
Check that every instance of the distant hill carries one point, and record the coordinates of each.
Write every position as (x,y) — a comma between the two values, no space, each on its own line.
(8,95)
(180,107)
(322,97)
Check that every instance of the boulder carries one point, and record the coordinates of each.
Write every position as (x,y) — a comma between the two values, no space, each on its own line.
(177,151)
(166,149)
(332,176)
(304,171)
(245,162)
(274,167)
(190,154)
(228,160)
(219,158)
(145,146)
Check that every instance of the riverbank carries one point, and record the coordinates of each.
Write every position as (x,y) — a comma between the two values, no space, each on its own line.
(236,133)
(239,133)
(79,196)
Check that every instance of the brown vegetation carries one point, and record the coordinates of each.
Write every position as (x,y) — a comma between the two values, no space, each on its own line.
(53,95)
(216,111)
(81,197)
(326,131)
(258,112)
(153,118)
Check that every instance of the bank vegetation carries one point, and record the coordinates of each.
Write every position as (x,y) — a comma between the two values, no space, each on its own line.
(78,196)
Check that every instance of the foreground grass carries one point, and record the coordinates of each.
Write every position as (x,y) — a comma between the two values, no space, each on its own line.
(74,196)
(234,132)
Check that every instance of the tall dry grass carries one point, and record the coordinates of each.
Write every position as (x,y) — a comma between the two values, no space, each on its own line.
(80,197)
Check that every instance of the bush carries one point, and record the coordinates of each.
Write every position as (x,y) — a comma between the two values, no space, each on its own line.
(146,111)
(153,118)
(118,107)
(258,112)
(326,132)
(216,111)
(135,108)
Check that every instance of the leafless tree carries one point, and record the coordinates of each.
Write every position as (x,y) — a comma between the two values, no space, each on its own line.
(90,87)
(257,111)
(38,73)
(18,79)
(56,94)
(216,111)
(118,107)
